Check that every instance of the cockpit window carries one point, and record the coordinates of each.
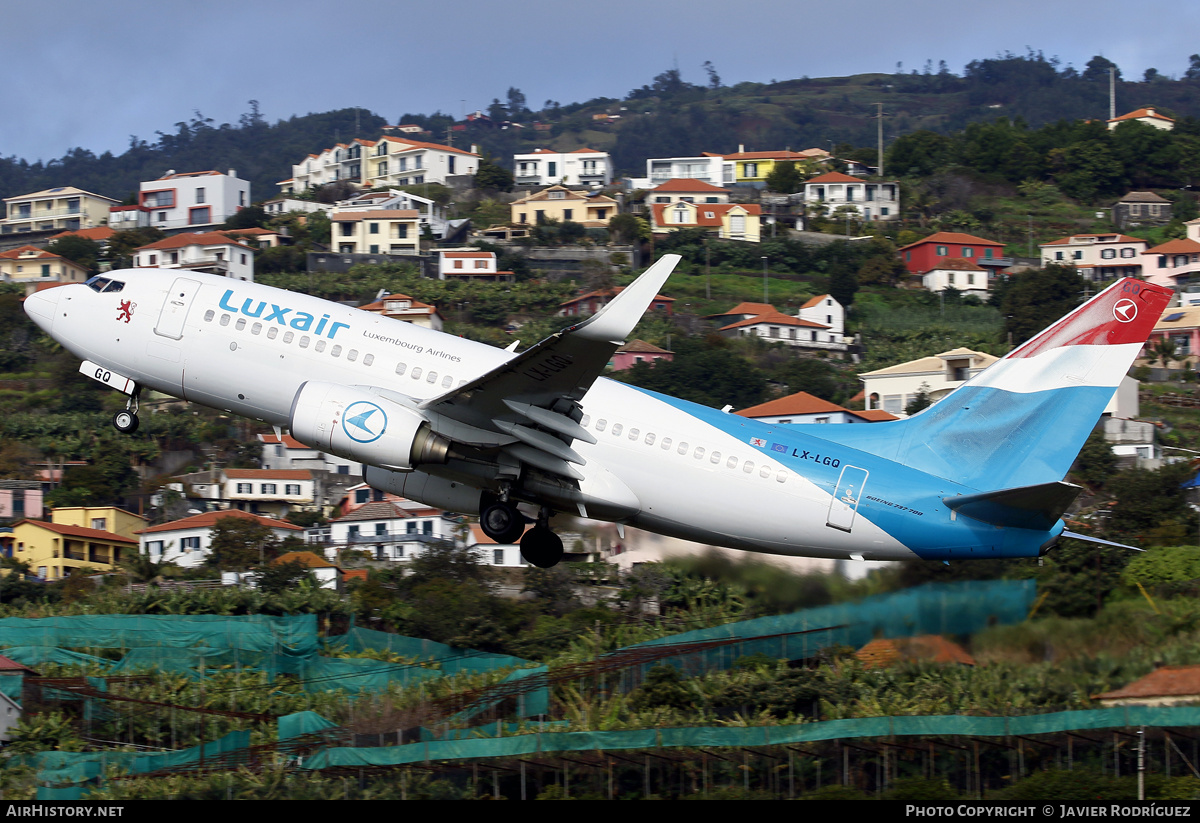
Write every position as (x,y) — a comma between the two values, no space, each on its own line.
(104,284)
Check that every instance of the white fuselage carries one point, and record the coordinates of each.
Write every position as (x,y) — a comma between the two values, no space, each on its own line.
(248,348)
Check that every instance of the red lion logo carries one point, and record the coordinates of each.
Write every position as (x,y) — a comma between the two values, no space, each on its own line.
(126,310)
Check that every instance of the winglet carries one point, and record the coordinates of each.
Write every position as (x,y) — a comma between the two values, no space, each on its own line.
(614,322)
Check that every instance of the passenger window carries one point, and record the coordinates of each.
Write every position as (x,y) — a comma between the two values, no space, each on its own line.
(666,444)
(764,472)
(748,466)
(650,439)
(287,336)
(320,345)
(336,351)
(352,355)
(633,434)
(224,319)
(209,315)
(400,367)
(683,448)
(781,477)
(304,341)
(601,424)
(617,429)
(416,373)
(586,421)
(447,382)
(272,332)
(240,324)
(731,463)
(716,458)
(368,359)
(699,454)
(432,377)
(256,328)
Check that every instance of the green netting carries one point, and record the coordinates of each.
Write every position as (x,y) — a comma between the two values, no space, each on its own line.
(935,608)
(452,660)
(11,686)
(302,723)
(35,655)
(78,767)
(531,743)
(361,674)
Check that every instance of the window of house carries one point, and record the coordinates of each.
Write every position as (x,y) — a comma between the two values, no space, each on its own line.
(268,488)
(245,488)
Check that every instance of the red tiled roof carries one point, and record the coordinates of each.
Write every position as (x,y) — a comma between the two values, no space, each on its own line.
(957,264)
(377,214)
(687,184)
(814,301)
(209,519)
(309,559)
(419,144)
(798,403)
(1139,113)
(1179,246)
(19,252)
(766,155)
(952,237)
(99,233)
(179,241)
(79,531)
(883,652)
(834,177)
(452,255)
(874,415)
(1168,681)
(9,665)
(1102,238)
(285,439)
(748,308)
(269,474)
(703,210)
(642,347)
(776,318)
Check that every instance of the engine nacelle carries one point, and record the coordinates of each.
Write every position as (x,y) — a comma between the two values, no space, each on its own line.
(358,425)
(438,492)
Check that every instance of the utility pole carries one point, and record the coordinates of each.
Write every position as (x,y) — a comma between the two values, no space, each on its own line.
(879,117)
(1112,93)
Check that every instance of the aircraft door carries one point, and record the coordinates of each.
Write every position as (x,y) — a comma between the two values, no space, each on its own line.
(846,496)
(175,308)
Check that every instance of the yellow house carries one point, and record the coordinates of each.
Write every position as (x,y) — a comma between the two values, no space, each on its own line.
(751,168)
(102,518)
(378,231)
(38,269)
(728,221)
(64,208)
(561,204)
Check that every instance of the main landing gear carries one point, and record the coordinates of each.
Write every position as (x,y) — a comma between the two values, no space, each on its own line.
(504,523)
(126,421)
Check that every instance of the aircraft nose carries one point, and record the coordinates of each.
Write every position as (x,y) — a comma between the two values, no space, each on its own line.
(40,306)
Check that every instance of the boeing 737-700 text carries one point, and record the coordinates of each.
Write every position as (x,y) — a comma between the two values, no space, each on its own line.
(475,429)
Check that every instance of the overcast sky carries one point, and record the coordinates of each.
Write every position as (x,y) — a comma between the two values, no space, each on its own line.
(79,73)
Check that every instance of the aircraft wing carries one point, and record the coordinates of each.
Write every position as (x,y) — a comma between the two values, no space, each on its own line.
(535,396)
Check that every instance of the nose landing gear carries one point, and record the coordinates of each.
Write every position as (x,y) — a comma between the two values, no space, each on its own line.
(126,421)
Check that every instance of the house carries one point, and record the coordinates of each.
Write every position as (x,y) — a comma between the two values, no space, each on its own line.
(687,191)
(638,351)
(470,265)
(20,499)
(1141,208)
(325,573)
(560,204)
(728,221)
(803,407)
(38,269)
(1097,256)
(708,167)
(389,161)
(382,231)
(282,451)
(63,208)
(430,214)
(1174,264)
(210,252)
(255,237)
(388,529)
(927,254)
(188,542)
(403,307)
(491,553)
(752,168)
(592,302)
(1148,116)
(99,234)
(883,653)
(1181,326)
(55,550)
(820,324)
(964,276)
(894,387)
(581,167)
(273,492)
(195,200)
(103,518)
(870,201)
(279,206)
(1165,686)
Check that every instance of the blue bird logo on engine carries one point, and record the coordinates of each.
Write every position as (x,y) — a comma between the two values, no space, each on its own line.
(364,422)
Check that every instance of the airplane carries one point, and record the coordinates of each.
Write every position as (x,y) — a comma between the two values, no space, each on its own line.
(471,428)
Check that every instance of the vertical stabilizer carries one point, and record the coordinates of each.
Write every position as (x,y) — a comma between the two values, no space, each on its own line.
(1022,421)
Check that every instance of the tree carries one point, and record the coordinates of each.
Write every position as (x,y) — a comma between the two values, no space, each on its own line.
(491,175)
(516,103)
(1098,68)
(80,250)
(240,543)
(1034,300)
(714,79)
(784,178)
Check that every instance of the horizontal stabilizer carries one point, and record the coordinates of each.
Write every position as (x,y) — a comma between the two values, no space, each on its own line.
(1025,507)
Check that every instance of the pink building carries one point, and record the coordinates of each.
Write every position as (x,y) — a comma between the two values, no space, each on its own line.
(638,351)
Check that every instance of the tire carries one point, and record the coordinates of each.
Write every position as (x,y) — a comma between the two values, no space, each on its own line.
(541,547)
(125,422)
(502,522)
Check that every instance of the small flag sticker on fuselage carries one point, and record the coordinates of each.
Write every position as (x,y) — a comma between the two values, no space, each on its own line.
(779,447)
(758,441)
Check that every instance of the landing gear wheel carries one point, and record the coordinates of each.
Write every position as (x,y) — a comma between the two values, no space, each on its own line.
(125,422)
(541,547)
(502,522)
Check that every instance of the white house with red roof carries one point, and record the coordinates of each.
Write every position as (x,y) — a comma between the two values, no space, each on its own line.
(825,310)
(210,252)
(271,492)
(687,191)
(871,201)
(1147,115)
(187,542)
(470,264)
(803,407)
(728,221)
(708,167)
(819,325)
(962,275)
(388,161)
(38,269)
(389,529)
(405,308)
(282,451)
(198,199)
(1173,264)
(1098,256)
(581,167)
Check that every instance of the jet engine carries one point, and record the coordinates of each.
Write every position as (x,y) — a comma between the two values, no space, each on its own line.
(354,423)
